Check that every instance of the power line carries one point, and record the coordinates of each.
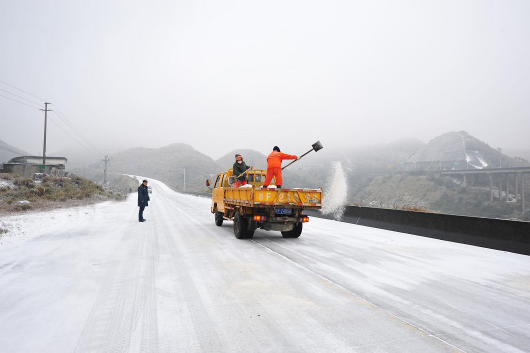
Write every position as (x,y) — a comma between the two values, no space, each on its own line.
(79,134)
(11,99)
(21,97)
(58,113)
(21,90)
(71,126)
(73,138)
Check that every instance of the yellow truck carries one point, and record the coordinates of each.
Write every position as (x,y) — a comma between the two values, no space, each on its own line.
(252,206)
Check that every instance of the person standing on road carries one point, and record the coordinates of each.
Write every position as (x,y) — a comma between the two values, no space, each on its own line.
(143,198)
(238,169)
(274,166)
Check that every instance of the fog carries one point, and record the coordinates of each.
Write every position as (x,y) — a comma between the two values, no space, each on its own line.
(221,75)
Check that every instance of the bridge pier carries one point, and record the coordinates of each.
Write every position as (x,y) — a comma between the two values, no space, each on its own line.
(500,187)
(522,191)
(507,187)
(495,176)
(516,185)
(491,186)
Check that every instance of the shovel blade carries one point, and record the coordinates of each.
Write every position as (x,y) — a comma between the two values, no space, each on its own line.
(317,146)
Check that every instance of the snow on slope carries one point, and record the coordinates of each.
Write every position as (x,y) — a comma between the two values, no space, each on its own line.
(476,160)
(23,227)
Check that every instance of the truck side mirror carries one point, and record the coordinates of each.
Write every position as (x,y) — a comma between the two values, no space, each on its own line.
(208,183)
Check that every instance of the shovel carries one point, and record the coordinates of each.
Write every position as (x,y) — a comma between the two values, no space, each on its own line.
(317,146)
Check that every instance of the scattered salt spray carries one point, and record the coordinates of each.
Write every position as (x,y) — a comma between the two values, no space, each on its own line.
(335,193)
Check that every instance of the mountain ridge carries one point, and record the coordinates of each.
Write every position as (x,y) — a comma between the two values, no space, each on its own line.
(7,152)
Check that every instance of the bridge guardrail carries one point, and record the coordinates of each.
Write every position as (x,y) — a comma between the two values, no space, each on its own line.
(499,234)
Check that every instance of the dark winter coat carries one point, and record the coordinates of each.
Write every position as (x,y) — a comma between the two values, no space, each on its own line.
(240,168)
(143,195)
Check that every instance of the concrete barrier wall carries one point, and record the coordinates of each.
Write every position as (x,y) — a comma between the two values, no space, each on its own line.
(505,235)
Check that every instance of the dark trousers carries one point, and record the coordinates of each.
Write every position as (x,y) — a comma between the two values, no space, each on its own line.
(141,213)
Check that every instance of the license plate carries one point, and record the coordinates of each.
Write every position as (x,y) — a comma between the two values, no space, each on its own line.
(284,211)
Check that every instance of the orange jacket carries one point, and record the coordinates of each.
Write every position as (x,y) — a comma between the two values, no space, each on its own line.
(274,160)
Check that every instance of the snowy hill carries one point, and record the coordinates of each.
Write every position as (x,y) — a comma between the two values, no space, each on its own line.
(7,152)
(362,159)
(166,164)
(460,150)
(518,153)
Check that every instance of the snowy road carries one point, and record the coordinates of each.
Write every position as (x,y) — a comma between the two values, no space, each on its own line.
(178,283)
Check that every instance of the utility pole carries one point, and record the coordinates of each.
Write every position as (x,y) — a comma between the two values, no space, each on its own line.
(184,179)
(106,160)
(45,110)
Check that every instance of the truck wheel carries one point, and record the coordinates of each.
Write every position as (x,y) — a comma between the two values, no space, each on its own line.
(218,218)
(240,226)
(295,233)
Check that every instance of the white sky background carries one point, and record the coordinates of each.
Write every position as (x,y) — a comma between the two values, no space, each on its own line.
(221,75)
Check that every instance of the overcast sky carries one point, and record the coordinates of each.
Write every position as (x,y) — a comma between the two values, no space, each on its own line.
(221,75)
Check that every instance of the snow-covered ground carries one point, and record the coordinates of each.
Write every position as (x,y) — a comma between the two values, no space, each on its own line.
(23,227)
(6,184)
(94,279)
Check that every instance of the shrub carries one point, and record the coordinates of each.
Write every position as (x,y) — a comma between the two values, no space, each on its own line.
(23,207)
(40,190)
(24,182)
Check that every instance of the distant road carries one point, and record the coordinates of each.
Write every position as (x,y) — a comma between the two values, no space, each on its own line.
(178,283)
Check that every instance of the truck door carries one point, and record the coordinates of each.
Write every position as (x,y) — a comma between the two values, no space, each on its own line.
(218,193)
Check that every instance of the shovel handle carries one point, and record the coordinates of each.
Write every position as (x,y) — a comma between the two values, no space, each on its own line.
(297,159)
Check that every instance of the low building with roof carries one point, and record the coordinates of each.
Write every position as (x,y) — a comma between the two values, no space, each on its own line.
(27,166)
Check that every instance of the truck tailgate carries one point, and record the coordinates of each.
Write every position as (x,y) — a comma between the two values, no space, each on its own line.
(307,198)
(310,198)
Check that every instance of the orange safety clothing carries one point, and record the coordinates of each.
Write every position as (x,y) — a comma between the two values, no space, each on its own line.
(273,172)
(274,167)
(274,160)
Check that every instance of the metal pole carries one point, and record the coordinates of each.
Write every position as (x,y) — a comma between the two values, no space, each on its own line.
(184,179)
(45,127)
(105,179)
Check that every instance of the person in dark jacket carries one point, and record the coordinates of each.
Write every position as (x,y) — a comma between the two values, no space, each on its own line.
(238,169)
(143,199)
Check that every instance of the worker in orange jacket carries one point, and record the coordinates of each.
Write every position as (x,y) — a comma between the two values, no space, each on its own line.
(274,166)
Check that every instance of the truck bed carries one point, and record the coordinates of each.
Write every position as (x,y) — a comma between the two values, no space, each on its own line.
(286,198)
